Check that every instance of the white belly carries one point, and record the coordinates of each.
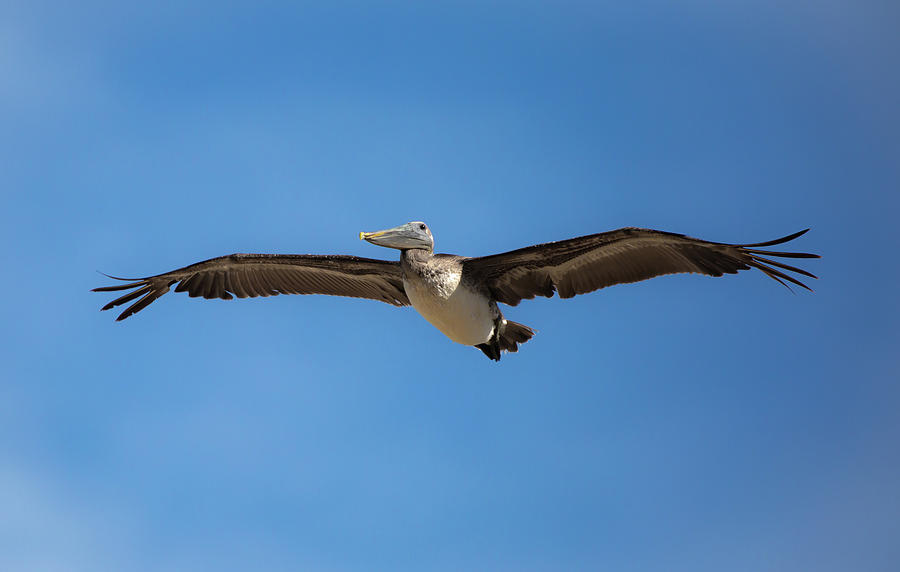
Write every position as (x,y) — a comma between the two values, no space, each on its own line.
(462,315)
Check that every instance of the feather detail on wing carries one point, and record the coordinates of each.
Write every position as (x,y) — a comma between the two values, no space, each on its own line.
(587,263)
(252,275)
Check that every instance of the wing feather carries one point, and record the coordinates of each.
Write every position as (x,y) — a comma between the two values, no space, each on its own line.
(587,263)
(252,275)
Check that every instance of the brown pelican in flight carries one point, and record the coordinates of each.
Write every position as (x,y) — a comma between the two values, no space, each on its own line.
(457,294)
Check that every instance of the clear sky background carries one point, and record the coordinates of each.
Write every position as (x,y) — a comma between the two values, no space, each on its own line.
(684,423)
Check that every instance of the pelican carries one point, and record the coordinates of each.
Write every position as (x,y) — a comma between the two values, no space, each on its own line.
(460,295)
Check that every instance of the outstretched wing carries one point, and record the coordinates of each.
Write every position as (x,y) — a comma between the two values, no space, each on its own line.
(587,263)
(252,275)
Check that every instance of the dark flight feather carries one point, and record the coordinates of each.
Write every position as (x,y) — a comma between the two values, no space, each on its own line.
(588,263)
(252,275)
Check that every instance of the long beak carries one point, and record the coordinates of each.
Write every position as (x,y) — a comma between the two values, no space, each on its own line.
(388,236)
(368,235)
(400,237)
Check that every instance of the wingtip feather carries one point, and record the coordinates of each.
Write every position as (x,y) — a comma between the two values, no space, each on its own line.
(781,240)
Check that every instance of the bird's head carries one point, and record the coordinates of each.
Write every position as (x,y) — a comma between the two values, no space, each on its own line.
(414,234)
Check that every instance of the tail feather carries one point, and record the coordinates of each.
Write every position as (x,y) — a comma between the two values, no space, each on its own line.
(514,334)
(511,335)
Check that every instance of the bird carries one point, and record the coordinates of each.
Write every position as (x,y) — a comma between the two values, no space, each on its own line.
(460,295)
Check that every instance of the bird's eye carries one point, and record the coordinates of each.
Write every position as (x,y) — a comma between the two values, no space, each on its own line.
(422,227)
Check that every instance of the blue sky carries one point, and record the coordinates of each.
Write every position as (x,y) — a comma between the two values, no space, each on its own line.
(684,423)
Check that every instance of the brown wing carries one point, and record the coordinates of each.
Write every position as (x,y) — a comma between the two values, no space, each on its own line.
(252,275)
(587,263)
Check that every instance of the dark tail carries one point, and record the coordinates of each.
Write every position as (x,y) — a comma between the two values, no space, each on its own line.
(511,335)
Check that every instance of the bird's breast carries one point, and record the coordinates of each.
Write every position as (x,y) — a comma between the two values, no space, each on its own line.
(462,314)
